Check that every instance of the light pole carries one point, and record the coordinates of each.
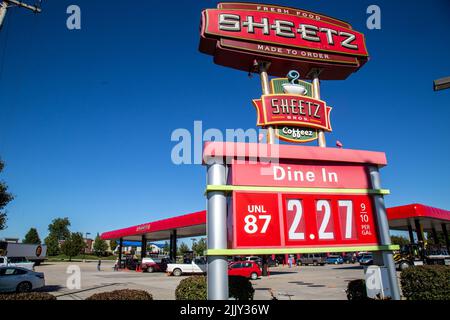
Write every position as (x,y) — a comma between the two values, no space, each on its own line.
(5,4)
(441,84)
(85,244)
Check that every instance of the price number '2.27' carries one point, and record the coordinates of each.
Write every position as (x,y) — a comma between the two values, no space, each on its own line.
(322,207)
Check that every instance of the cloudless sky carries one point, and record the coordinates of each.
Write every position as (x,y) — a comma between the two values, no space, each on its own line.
(86,115)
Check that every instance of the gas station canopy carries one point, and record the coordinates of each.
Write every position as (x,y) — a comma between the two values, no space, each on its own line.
(188,225)
(429,218)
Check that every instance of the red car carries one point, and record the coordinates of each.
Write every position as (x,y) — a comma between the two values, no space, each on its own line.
(248,269)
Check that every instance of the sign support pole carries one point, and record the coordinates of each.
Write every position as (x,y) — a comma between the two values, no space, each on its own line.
(217,269)
(316,95)
(387,258)
(265,86)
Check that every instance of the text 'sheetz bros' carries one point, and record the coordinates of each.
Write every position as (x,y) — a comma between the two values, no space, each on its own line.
(286,199)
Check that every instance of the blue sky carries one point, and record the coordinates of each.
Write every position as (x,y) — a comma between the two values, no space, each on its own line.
(79,110)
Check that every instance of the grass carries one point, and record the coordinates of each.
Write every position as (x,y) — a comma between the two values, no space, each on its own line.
(80,257)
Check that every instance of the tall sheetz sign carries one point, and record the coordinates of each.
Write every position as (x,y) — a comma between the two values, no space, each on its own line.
(267,198)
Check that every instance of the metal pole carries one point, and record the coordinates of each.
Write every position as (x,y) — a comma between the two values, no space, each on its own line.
(265,86)
(383,230)
(143,247)
(419,231)
(316,95)
(120,252)
(3,10)
(173,246)
(410,232)
(217,272)
(435,236)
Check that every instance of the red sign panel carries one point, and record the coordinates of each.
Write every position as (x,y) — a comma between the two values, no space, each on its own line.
(283,10)
(305,175)
(238,33)
(270,220)
(280,29)
(286,52)
(257,215)
(295,110)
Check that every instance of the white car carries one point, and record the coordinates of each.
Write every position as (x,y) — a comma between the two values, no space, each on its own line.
(15,279)
(21,262)
(197,266)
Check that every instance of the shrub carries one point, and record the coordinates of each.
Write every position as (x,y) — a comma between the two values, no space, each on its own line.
(426,283)
(125,294)
(356,290)
(194,288)
(240,288)
(28,296)
(191,288)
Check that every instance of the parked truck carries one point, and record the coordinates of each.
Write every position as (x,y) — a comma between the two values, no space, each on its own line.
(36,253)
(419,254)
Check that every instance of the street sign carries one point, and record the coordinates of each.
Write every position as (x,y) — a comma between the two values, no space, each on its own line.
(238,33)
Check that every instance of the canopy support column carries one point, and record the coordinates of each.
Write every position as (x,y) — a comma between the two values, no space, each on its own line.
(173,246)
(120,252)
(143,247)
(444,231)
(411,233)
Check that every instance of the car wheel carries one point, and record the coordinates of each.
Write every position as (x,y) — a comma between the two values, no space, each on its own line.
(150,269)
(23,287)
(254,276)
(404,265)
(177,272)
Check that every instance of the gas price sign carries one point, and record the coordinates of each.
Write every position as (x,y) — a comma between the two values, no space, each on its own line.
(270,220)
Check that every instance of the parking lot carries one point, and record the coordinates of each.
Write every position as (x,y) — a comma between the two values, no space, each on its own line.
(297,283)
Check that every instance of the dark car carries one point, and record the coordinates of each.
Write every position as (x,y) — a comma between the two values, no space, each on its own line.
(272,262)
(366,260)
(312,258)
(349,258)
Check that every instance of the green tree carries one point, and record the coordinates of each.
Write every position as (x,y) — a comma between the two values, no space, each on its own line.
(73,245)
(166,247)
(52,244)
(440,238)
(100,246)
(59,228)
(199,247)
(182,249)
(399,240)
(5,198)
(113,244)
(32,237)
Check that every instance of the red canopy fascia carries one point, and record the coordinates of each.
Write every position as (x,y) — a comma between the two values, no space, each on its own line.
(416,210)
(179,222)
